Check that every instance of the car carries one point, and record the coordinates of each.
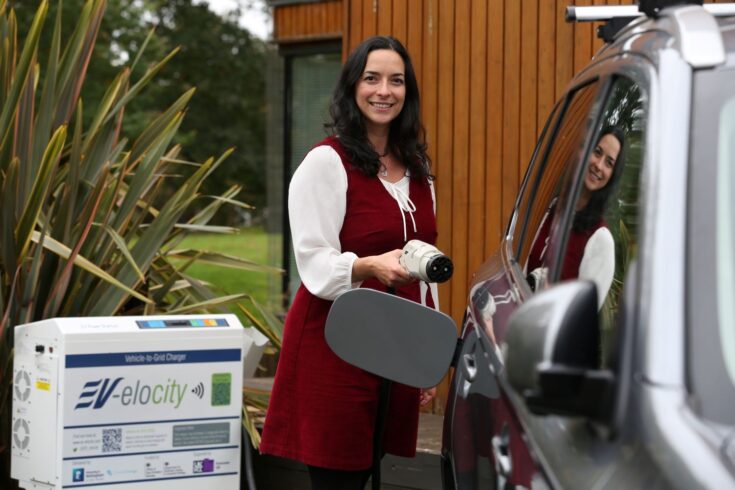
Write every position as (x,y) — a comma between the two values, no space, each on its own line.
(564,380)
(598,345)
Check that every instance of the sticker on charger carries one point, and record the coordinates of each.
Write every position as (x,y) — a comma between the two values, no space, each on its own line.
(129,409)
(43,384)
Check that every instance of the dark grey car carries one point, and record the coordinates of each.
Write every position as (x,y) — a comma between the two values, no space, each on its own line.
(631,384)
(598,346)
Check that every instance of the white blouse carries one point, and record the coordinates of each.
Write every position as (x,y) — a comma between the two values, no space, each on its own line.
(598,262)
(317,202)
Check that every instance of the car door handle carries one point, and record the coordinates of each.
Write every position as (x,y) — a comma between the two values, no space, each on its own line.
(501,451)
(469,367)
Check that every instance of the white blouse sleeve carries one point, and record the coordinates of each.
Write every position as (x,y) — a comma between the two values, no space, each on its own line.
(317,198)
(598,262)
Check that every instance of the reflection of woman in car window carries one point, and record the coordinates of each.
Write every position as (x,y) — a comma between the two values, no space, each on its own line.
(590,252)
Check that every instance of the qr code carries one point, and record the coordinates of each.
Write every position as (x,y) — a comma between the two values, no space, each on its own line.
(111,440)
(221,386)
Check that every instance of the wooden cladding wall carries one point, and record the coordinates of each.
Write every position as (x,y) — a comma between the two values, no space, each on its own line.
(489,73)
(308,22)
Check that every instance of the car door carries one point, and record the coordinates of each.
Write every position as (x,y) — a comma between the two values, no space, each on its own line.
(483,443)
(491,439)
(581,452)
(578,452)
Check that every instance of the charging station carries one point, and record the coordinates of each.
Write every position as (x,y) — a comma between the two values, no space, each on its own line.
(129,402)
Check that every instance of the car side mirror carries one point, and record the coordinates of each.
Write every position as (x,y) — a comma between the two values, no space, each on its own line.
(391,337)
(553,353)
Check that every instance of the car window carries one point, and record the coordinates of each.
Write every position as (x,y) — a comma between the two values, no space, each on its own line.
(530,181)
(590,226)
(566,148)
(725,238)
(711,247)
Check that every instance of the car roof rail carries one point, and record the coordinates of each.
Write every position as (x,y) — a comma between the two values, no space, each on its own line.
(602,13)
(694,27)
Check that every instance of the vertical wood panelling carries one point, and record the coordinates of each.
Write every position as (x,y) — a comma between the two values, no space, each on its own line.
(414,35)
(494,172)
(445,164)
(546,61)
(429,56)
(400,20)
(429,75)
(511,106)
(582,41)
(347,23)
(429,98)
(529,83)
(564,50)
(478,121)
(355,21)
(385,17)
(304,22)
(307,22)
(460,153)
(369,18)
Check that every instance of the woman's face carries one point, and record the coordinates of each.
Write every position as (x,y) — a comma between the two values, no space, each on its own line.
(602,162)
(382,88)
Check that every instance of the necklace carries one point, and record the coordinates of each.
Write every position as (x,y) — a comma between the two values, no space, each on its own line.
(383,168)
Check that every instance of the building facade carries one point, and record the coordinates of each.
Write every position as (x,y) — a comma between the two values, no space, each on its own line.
(489,72)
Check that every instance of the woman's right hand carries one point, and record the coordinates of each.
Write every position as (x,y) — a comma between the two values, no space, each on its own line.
(386,268)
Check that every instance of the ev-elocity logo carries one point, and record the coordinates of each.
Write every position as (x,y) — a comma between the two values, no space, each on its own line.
(96,394)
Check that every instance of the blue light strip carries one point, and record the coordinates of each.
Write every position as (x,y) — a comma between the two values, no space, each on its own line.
(152,358)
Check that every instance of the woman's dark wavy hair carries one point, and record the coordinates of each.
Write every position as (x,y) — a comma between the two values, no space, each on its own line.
(591,214)
(406,138)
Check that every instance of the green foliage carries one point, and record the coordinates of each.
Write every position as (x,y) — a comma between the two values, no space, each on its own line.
(250,244)
(626,110)
(87,225)
(222,60)
(227,65)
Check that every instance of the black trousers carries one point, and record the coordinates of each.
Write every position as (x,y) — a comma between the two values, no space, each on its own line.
(327,479)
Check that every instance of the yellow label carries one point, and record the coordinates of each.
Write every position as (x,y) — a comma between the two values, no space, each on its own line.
(42,384)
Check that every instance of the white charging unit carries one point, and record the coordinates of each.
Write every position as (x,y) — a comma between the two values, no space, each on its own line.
(128,403)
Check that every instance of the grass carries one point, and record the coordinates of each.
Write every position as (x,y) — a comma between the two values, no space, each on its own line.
(251,243)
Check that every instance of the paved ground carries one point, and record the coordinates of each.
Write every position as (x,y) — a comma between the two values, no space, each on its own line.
(420,473)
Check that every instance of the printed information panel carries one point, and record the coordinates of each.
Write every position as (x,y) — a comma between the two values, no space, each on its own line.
(146,416)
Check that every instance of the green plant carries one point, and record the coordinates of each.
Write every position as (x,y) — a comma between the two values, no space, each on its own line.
(85,227)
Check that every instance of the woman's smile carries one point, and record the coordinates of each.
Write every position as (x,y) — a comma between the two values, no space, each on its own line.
(381,106)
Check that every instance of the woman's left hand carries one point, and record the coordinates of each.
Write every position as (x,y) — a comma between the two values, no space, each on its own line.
(426,396)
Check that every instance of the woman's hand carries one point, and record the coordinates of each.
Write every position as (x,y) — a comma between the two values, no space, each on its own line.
(385,268)
(426,396)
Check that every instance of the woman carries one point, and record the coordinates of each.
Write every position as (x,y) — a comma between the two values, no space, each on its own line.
(590,252)
(355,200)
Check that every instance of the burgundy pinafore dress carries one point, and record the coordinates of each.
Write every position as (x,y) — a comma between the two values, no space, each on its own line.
(574,253)
(322,410)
